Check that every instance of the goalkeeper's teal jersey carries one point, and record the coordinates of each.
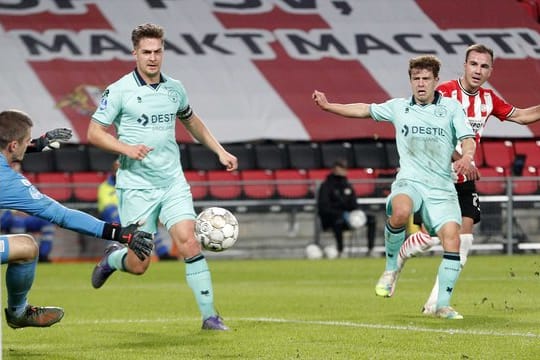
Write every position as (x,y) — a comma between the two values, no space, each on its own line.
(144,114)
(426,136)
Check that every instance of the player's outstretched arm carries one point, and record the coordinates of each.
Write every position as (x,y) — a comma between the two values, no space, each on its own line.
(526,116)
(354,110)
(140,242)
(50,140)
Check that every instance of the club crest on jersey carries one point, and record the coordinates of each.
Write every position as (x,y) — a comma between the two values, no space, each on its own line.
(174,96)
(440,111)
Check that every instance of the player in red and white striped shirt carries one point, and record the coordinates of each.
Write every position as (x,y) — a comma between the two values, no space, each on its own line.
(479,103)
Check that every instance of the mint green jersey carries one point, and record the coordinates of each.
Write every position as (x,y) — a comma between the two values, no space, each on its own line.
(426,136)
(145,114)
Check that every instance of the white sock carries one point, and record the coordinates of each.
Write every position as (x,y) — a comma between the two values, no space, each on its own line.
(415,244)
(466,241)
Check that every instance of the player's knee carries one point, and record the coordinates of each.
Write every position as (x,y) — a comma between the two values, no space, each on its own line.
(189,248)
(399,218)
(23,247)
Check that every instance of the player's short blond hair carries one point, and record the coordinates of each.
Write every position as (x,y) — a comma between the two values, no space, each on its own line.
(479,48)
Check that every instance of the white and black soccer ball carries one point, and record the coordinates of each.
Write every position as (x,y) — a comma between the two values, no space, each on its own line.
(216,229)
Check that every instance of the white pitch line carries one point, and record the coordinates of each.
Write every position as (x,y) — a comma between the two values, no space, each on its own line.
(325,323)
(394,327)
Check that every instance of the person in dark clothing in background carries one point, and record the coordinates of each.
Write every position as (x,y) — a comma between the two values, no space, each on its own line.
(335,201)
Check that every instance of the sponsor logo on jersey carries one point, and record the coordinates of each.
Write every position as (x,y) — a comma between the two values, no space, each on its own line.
(421,130)
(144,119)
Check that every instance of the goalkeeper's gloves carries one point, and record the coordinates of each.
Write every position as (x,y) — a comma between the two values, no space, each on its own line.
(50,140)
(141,242)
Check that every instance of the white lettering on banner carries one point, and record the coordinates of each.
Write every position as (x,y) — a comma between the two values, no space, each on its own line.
(255,44)
(257,61)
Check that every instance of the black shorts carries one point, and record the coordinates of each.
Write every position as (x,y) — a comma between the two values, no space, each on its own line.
(468,200)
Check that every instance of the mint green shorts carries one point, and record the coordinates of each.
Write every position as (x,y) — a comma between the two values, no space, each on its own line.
(169,205)
(437,206)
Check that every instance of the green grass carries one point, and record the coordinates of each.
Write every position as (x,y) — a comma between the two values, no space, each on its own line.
(286,309)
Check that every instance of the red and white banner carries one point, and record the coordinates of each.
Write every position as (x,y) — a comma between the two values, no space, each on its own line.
(250,66)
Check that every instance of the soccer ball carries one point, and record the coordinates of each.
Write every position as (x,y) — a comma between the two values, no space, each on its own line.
(330,252)
(357,219)
(216,229)
(314,252)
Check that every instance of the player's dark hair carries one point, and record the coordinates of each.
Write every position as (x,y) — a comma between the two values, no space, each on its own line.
(14,125)
(479,48)
(427,62)
(142,31)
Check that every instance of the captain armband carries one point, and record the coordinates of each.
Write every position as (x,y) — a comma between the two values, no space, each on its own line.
(185,114)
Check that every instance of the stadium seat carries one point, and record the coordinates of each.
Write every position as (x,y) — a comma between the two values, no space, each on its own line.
(197,180)
(370,154)
(498,153)
(184,156)
(292,183)
(363,181)
(85,184)
(531,150)
(202,158)
(100,160)
(224,185)
(258,184)
(55,184)
(244,153)
(304,155)
(271,156)
(492,181)
(333,151)
(71,159)
(317,176)
(392,156)
(39,162)
(527,183)
(479,157)
(32,177)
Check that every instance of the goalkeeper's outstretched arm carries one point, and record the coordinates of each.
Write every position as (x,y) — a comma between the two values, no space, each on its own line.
(50,140)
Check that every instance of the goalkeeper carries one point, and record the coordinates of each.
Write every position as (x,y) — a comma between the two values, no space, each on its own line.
(20,251)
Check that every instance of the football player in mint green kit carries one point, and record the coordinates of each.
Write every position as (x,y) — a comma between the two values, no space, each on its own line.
(428,127)
(144,106)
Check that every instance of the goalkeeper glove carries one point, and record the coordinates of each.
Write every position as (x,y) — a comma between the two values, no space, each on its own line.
(50,140)
(141,242)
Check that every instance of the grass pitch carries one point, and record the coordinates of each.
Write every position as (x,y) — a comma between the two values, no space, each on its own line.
(286,309)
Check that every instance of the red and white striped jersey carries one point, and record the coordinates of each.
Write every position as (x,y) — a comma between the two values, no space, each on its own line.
(478,106)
